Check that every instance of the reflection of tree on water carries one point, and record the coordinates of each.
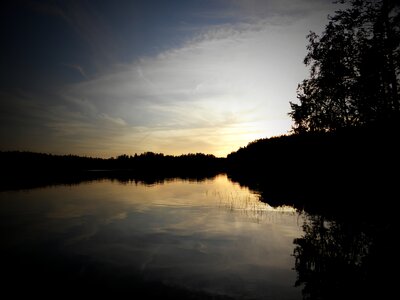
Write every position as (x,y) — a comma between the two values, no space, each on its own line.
(340,259)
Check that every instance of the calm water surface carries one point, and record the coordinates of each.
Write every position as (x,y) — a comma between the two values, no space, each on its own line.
(211,236)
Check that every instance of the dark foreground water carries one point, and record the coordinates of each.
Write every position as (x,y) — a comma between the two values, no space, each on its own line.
(179,239)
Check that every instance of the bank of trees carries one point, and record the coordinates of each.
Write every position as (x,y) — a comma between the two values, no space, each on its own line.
(354,69)
(149,162)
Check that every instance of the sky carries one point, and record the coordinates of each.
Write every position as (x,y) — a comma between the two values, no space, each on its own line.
(104,78)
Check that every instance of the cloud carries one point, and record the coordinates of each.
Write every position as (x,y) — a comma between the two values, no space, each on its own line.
(88,24)
(226,86)
(78,68)
(223,88)
(279,11)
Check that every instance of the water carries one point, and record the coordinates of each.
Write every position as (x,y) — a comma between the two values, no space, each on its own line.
(207,238)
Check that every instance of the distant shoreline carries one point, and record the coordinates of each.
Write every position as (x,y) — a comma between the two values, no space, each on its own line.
(314,170)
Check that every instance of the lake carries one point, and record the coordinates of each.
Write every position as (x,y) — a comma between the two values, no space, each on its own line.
(195,239)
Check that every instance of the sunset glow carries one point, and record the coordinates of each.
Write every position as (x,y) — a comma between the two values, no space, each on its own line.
(186,78)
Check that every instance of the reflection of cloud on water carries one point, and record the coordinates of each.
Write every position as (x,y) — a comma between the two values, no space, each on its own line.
(173,231)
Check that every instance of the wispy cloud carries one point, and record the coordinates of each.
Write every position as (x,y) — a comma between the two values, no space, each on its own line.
(226,86)
(78,68)
(219,91)
(278,11)
(89,26)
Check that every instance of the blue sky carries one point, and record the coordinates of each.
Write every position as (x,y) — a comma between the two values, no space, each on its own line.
(102,78)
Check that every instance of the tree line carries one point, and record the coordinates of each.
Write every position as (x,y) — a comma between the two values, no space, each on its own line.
(354,70)
(30,169)
(20,161)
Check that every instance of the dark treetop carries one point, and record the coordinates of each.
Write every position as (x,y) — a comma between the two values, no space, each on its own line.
(354,69)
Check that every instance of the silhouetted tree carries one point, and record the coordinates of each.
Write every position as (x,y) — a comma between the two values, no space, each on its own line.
(354,69)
